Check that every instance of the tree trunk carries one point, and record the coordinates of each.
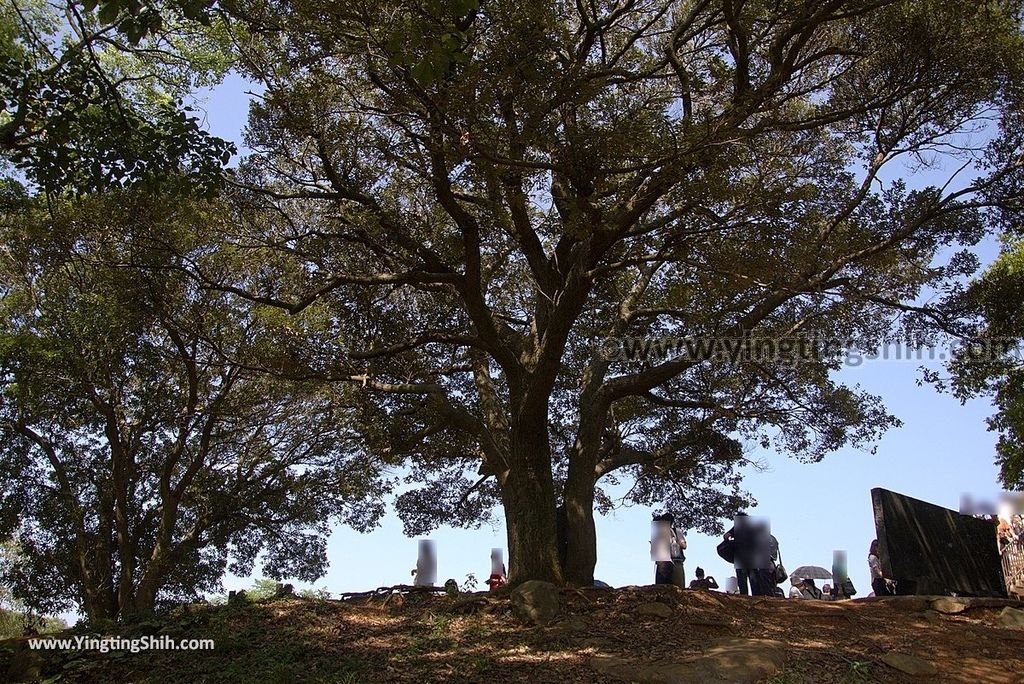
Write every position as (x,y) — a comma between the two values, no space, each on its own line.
(152,576)
(528,496)
(144,600)
(578,497)
(145,596)
(580,532)
(95,603)
(126,563)
(103,557)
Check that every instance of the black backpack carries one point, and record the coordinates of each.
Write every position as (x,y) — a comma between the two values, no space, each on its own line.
(726,550)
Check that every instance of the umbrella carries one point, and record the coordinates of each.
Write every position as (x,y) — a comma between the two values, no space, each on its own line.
(810,572)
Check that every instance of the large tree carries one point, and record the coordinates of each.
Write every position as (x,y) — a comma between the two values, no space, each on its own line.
(989,361)
(137,464)
(473,194)
(985,320)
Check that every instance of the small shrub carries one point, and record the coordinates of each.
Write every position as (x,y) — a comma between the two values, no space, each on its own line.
(859,673)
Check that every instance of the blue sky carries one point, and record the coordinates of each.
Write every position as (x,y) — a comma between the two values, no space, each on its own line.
(942,450)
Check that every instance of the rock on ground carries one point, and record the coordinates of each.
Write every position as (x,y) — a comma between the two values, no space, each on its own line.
(569,626)
(950,606)
(737,661)
(536,601)
(654,609)
(908,664)
(1012,618)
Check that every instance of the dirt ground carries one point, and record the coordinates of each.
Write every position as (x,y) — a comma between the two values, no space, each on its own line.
(600,635)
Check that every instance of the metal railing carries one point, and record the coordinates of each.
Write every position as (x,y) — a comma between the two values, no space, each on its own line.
(1012,555)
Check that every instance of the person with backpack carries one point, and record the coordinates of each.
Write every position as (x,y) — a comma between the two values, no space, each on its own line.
(843,589)
(667,550)
(748,542)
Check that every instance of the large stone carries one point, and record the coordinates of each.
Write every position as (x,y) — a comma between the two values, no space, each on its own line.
(908,664)
(571,625)
(631,670)
(737,661)
(929,549)
(1011,617)
(950,606)
(536,601)
(654,609)
(903,604)
(741,660)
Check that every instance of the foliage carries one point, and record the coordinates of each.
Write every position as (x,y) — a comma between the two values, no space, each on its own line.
(859,673)
(990,362)
(16,624)
(315,594)
(80,109)
(262,588)
(15,620)
(139,18)
(138,463)
(469,195)
(8,555)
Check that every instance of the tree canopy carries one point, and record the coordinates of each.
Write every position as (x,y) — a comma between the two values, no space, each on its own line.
(477,193)
(137,463)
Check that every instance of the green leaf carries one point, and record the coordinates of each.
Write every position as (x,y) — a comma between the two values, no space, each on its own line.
(423,72)
(109,12)
(463,7)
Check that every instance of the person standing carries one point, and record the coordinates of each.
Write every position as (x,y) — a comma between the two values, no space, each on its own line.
(667,550)
(678,549)
(878,582)
(498,577)
(766,554)
(762,580)
(426,564)
(739,536)
(752,561)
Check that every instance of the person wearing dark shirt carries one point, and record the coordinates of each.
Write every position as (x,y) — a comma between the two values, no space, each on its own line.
(752,558)
(706,583)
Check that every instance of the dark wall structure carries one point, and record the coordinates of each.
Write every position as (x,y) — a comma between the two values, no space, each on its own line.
(929,549)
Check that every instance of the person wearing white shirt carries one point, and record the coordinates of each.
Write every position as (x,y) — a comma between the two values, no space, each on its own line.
(667,551)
